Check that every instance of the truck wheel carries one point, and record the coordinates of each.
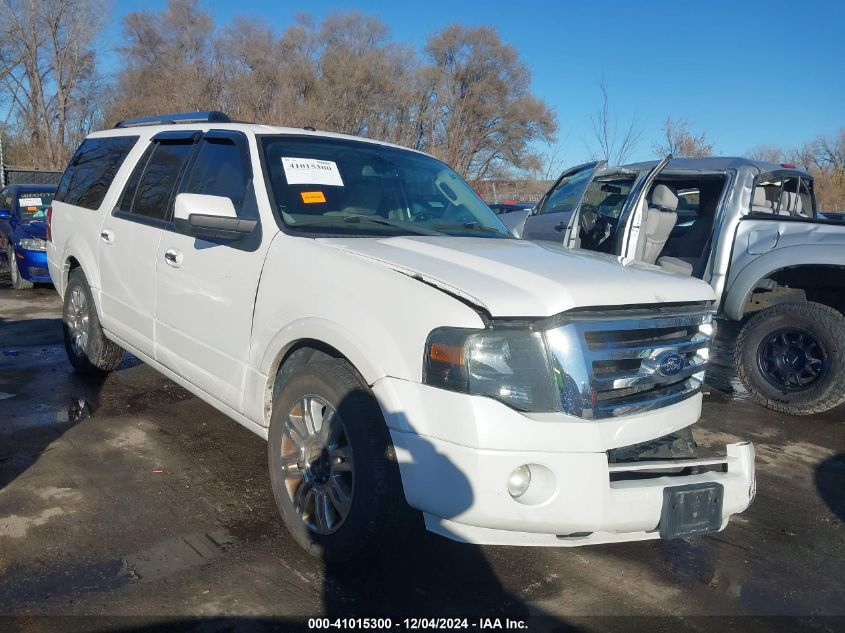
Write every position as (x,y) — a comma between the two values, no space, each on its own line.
(332,464)
(88,349)
(791,357)
(18,282)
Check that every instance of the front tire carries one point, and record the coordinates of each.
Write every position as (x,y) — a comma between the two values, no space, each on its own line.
(332,464)
(87,347)
(791,357)
(18,282)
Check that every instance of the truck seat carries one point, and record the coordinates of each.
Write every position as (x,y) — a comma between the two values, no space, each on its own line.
(659,221)
(760,203)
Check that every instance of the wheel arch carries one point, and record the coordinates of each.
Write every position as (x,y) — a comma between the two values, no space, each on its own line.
(70,264)
(302,341)
(820,268)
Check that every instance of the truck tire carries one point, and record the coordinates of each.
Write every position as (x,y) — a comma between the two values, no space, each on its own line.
(88,349)
(332,464)
(18,282)
(791,357)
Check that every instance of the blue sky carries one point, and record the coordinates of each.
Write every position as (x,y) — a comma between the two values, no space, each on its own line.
(746,72)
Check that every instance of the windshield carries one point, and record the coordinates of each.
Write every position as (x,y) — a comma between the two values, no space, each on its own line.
(338,186)
(32,206)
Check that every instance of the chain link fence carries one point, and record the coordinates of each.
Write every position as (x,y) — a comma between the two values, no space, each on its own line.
(497,191)
(10,175)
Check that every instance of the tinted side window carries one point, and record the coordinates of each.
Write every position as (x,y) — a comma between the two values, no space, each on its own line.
(153,197)
(132,184)
(91,170)
(220,171)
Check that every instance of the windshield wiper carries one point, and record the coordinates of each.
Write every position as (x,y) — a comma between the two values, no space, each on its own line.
(470,225)
(374,219)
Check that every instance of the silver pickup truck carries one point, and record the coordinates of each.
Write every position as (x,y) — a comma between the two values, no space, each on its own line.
(751,230)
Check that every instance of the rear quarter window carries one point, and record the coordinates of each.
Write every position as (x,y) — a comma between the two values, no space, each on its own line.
(92,169)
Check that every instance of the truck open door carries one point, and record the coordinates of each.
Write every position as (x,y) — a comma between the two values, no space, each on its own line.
(554,212)
(634,213)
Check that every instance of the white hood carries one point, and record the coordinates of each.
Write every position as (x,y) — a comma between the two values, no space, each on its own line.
(516,278)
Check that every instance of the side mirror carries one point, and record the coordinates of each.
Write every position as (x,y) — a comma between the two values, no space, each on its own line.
(210,217)
(515,221)
(5,214)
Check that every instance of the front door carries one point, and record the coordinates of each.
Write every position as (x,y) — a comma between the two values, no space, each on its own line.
(206,289)
(549,220)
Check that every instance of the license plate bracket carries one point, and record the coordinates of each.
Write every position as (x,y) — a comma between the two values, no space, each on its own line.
(691,509)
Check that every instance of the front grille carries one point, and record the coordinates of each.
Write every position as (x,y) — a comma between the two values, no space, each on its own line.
(608,365)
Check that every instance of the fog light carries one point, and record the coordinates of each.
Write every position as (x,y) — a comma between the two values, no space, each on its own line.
(519,480)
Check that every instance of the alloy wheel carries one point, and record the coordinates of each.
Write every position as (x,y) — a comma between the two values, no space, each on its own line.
(791,359)
(78,321)
(317,464)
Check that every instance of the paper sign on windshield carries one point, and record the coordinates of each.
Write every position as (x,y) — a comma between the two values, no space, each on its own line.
(29,202)
(311,171)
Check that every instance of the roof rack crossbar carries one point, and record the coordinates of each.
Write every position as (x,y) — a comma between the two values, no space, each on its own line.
(210,116)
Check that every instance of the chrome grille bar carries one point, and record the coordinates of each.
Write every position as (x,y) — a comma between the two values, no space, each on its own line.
(607,367)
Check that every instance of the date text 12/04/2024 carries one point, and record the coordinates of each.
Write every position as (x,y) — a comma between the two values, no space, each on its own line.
(415,624)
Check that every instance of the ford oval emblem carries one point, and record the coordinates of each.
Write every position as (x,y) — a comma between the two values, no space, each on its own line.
(668,363)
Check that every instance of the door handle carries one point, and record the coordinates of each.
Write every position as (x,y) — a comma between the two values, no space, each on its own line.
(107,235)
(561,226)
(173,257)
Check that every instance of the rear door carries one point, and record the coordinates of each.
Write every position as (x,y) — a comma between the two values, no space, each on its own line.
(205,291)
(552,215)
(130,235)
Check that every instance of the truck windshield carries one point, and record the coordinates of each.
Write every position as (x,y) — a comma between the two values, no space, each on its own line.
(345,187)
(32,206)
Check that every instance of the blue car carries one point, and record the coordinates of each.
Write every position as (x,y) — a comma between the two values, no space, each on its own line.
(23,232)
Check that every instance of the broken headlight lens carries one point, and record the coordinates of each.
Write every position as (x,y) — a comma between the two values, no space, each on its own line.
(508,364)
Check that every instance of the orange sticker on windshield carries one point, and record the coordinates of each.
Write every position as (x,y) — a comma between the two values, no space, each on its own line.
(310,197)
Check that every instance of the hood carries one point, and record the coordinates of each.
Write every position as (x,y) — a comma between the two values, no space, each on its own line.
(516,278)
(31,229)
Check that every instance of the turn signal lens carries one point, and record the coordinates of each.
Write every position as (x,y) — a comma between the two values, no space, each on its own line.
(442,353)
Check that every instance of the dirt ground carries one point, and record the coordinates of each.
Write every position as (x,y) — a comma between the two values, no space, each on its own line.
(125,502)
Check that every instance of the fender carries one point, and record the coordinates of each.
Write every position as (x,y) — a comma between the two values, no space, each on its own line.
(327,332)
(764,265)
(259,388)
(88,263)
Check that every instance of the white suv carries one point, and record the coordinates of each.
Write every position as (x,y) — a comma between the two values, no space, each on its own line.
(360,307)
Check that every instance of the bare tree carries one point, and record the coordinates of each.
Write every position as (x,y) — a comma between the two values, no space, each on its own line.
(169,62)
(47,64)
(612,144)
(680,141)
(483,114)
(469,102)
(767,153)
(824,158)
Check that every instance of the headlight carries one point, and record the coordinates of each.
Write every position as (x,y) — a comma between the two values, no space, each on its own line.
(33,244)
(507,364)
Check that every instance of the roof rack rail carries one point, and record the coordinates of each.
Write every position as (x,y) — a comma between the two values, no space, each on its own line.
(210,116)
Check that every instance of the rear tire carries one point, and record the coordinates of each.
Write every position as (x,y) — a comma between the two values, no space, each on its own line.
(18,282)
(791,357)
(87,347)
(332,465)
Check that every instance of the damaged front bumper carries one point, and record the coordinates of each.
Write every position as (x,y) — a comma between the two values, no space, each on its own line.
(578,495)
